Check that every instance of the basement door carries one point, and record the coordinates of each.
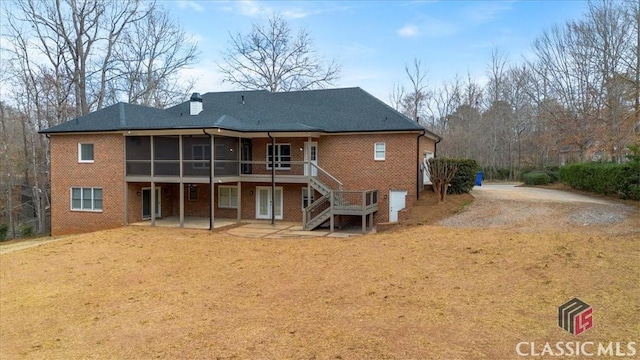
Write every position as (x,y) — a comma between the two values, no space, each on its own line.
(396,203)
(263,202)
(146,203)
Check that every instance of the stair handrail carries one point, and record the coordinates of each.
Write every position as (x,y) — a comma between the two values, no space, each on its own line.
(309,209)
(324,172)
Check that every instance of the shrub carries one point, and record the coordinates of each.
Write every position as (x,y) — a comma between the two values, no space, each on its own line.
(554,175)
(26,230)
(532,176)
(622,180)
(465,177)
(537,178)
(4,228)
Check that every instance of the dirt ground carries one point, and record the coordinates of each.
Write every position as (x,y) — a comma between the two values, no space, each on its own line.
(468,286)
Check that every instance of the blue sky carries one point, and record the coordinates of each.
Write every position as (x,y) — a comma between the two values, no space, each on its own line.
(373,40)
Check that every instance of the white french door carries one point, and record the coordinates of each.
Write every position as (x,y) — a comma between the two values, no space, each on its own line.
(311,154)
(263,202)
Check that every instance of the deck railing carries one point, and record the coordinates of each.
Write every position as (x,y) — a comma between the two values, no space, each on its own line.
(200,168)
(355,200)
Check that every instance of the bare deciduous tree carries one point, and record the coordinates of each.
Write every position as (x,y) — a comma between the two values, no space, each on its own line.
(148,58)
(441,172)
(61,58)
(271,58)
(416,99)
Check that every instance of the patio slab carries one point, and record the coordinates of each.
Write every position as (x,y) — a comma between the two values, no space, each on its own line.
(252,229)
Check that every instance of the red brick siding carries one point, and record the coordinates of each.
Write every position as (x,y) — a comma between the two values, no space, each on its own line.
(291,202)
(350,158)
(107,172)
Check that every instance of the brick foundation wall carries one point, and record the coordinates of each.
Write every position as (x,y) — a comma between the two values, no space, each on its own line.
(107,172)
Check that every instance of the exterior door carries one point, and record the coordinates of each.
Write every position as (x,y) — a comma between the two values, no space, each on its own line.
(426,177)
(263,202)
(146,203)
(311,154)
(396,203)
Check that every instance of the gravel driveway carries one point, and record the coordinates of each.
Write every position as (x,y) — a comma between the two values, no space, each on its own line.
(538,209)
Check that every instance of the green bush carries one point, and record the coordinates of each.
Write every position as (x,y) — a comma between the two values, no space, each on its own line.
(4,228)
(465,177)
(26,230)
(537,178)
(554,176)
(622,180)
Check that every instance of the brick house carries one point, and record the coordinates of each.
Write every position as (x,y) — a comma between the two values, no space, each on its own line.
(314,157)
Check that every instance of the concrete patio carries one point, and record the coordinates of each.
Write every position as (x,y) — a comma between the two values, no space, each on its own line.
(255,229)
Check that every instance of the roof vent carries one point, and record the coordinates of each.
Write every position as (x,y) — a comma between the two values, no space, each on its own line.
(195,104)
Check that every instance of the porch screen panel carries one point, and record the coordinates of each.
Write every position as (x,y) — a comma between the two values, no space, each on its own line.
(138,155)
(196,152)
(166,156)
(226,156)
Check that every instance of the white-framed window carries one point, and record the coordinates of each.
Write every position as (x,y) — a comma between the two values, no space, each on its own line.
(192,193)
(228,197)
(379,151)
(85,153)
(86,199)
(282,156)
(201,152)
(307,197)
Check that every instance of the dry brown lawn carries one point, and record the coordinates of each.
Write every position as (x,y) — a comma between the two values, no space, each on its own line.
(422,292)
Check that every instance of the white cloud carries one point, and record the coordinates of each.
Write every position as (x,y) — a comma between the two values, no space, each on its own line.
(429,27)
(409,30)
(207,78)
(288,10)
(484,12)
(190,4)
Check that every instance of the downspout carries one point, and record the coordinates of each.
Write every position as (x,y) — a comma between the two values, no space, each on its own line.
(210,182)
(418,164)
(435,148)
(273,178)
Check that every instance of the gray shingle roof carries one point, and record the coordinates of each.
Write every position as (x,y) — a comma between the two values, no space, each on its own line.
(329,110)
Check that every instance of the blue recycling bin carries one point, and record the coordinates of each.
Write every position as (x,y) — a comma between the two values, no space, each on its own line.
(479,177)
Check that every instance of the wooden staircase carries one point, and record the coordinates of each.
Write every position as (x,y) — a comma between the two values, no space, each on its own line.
(335,201)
